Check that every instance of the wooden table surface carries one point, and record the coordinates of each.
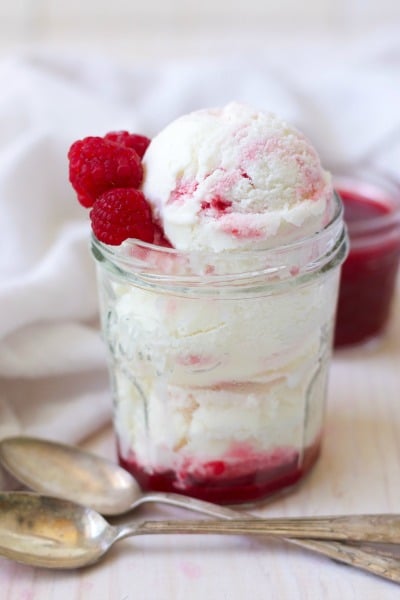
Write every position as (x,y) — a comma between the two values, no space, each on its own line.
(358,472)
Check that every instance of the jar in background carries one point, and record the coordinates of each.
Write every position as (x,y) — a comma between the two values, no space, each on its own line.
(368,278)
(219,362)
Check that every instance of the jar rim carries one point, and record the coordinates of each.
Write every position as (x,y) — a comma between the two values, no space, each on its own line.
(378,188)
(307,254)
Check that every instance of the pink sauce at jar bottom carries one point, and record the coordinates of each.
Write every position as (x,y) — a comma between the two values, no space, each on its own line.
(251,487)
(368,274)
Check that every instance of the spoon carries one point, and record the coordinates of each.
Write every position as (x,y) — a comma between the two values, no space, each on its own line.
(50,532)
(68,472)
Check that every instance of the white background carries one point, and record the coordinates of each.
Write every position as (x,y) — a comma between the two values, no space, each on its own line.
(137,29)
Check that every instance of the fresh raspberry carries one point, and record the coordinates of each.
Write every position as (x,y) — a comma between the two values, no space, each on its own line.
(97,165)
(120,214)
(86,201)
(129,140)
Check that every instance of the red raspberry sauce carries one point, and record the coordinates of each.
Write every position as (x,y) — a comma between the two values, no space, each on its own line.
(248,488)
(368,275)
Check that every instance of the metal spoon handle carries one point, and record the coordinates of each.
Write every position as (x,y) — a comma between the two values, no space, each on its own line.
(382,563)
(365,528)
(193,504)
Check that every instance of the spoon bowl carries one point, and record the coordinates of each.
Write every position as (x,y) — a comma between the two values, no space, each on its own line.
(49,532)
(67,472)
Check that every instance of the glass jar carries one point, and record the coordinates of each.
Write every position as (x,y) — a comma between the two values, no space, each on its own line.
(219,362)
(368,279)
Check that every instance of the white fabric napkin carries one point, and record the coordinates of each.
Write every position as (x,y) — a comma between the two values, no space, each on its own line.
(53,379)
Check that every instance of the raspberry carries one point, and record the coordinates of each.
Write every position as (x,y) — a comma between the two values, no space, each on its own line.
(120,214)
(86,201)
(97,165)
(129,140)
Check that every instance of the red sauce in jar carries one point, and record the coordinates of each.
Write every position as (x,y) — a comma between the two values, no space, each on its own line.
(368,275)
(283,472)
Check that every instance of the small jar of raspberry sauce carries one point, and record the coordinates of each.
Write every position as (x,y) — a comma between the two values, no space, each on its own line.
(368,277)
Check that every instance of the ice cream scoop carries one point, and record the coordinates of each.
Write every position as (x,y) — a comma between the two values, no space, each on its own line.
(235,177)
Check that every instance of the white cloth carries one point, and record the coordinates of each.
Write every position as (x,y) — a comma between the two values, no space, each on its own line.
(53,379)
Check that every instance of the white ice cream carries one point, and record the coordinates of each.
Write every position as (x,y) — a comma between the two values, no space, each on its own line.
(235,177)
(195,381)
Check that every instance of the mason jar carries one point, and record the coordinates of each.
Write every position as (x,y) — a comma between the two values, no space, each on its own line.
(219,361)
(368,280)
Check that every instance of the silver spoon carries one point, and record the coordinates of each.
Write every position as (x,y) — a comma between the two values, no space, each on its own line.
(49,532)
(73,474)
(68,472)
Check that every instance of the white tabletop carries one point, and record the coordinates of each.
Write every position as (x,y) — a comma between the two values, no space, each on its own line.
(358,472)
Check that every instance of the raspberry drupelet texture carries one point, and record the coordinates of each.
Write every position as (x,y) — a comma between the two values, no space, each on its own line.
(97,165)
(122,213)
(138,142)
